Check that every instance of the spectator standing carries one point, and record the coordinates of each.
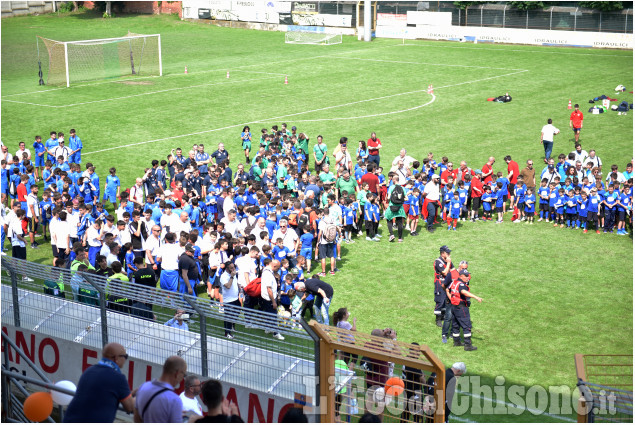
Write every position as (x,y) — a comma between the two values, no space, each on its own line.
(219,409)
(156,400)
(229,286)
(323,293)
(269,292)
(101,388)
(374,145)
(575,122)
(528,175)
(431,194)
(457,369)
(546,138)
(188,396)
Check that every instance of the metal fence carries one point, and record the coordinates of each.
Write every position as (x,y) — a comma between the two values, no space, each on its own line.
(86,312)
(553,18)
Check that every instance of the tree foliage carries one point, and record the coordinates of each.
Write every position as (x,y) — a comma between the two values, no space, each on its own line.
(527,5)
(604,6)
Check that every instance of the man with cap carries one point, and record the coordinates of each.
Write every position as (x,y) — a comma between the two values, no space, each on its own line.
(458,293)
(442,267)
(447,321)
(188,271)
(431,194)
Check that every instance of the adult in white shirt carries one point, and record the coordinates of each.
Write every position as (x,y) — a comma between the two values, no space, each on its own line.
(6,155)
(229,287)
(93,240)
(182,224)
(136,192)
(62,237)
(23,150)
(594,160)
(228,202)
(152,246)
(269,293)
(431,193)
(72,218)
(289,237)
(18,243)
(169,221)
(402,173)
(188,396)
(407,160)
(261,226)
(169,258)
(247,267)
(33,213)
(60,150)
(232,225)
(580,154)
(546,138)
(343,158)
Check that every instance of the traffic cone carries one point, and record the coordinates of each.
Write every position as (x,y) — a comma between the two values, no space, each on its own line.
(569,107)
(186,69)
(227,74)
(431,89)
(286,79)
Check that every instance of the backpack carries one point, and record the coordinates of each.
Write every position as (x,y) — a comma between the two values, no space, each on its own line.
(303,220)
(397,195)
(253,288)
(13,190)
(330,231)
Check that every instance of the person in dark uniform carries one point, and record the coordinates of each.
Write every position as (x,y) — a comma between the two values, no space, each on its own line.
(458,293)
(447,321)
(442,267)
(413,380)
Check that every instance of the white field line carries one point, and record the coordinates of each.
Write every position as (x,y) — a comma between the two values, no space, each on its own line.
(459,419)
(291,115)
(532,411)
(143,94)
(515,50)
(232,69)
(428,63)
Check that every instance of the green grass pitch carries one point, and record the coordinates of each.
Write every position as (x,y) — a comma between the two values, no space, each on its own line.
(548,293)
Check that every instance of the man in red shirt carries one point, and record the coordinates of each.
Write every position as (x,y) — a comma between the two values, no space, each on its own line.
(22,192)
(575,122)
(488,170)
(371,178)
(374,144)
(513,171)
(476,190)
(448,172)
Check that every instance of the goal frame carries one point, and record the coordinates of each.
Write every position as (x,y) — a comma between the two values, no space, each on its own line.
(104,40)
(325,41)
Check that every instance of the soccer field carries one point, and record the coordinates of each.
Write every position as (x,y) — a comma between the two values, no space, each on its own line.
(548,292)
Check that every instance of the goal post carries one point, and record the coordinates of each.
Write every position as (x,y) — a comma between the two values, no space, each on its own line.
(311,35)
(85,60)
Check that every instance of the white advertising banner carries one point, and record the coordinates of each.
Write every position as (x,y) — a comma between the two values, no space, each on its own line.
(510,36)
(321,19)
(65,360)
(415,17)
(391,19)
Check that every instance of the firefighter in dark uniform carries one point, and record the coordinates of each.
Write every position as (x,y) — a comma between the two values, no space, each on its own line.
(442,266)
(458,293)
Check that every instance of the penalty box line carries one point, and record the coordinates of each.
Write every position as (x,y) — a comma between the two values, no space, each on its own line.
(197,133)
(141,94)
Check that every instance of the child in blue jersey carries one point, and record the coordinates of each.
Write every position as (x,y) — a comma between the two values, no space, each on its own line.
(271,223)
(348,218)
(306,241)
(39,151)
(583,210)
(543,195)
(448,194)
(129,259)
(463,196)
(610,204)
(530,205)
(519,200)
(455,210)
(570,209)
(46,211)
(553,199)
(414,198)
(505,193)
(501,197)
(371,217)
(624,205)
(280,252)
(111,189)
(561,200)
(593,207)
(486,200)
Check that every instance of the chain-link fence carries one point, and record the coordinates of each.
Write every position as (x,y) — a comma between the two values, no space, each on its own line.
(93,310)
(553,18)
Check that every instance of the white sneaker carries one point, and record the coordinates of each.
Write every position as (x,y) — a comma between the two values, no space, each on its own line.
(27,279)
(367,238)
(276,335)
(516,221)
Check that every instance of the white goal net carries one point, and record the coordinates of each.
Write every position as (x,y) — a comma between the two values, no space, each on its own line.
(84,60)
(312,37)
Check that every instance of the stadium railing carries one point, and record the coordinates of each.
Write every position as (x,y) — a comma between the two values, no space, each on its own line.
(88,316)
(605,382)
